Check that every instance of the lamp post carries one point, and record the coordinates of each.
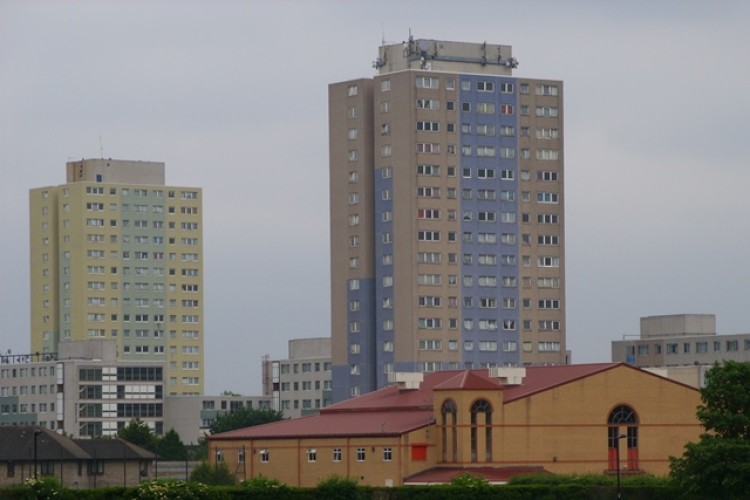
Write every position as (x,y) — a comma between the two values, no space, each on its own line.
(36,437)
(617,458)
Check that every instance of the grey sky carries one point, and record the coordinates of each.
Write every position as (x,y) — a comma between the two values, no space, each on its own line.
(232,97)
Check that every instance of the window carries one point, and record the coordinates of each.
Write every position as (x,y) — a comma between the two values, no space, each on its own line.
(548,283)
(548,346)
(265,456)
(429,301)
(428,82)
(506,109)
(547,111)
(547,218)
(312,455)
(487,345)
(387,454)
(484,129)
(485,173)
(547,90)
(547,133)
(481,418)
(486,194)
(428,104)
(548,239)
(428,213)
(549,261)
(337,454)
(361,454)
(547,325)
(486,151)
(549,304)
(428,126)
(428,192)
(429,323)
(430,345)
(428,148)
(429,170)
(428,279)
(485,86)
(486,108)
(547,154)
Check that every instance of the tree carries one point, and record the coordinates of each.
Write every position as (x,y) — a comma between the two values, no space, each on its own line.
(718,465)
(171,447)
(243,417)
(138,432)
(216,475)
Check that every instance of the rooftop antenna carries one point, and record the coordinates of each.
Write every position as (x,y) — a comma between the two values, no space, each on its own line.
(101,147)
(382,34)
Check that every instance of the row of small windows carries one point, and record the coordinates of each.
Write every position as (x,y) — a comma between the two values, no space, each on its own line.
(467,346)
(99,191)
(468,151)
(480,129)
(431,82)
(468,194)
(688,347)
(360,455)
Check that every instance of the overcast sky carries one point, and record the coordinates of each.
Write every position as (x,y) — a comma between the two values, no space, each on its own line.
(232,96)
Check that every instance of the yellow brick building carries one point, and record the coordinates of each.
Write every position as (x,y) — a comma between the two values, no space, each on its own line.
(561,419)
(117,254)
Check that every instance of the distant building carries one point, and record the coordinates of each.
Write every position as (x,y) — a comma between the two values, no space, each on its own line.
(447,215)
(31,451)
(681,346)
(82,390)
(191,416)
(429,428)
(117,254)
(301,384)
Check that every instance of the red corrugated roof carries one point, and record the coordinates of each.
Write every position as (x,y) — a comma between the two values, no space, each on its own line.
(379,423)
(395,411)
(469,381)
(542,378)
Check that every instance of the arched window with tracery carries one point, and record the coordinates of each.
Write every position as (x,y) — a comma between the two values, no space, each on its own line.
(481,410)
(450,433)
(623,424)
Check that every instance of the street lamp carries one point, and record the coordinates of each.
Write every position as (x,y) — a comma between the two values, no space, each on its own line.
(36,436)
(617,458)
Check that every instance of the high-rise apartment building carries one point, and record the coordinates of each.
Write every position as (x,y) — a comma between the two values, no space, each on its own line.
(115,253)
(446,199)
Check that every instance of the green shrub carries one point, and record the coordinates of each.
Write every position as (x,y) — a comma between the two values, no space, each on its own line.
(468,480)
(214,475)
(262,482)
(172,489)
(337,487)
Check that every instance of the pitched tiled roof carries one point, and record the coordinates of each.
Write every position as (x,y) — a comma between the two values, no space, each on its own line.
(17,443)
(391,410)
(114,449)
(469,380)
(443,475)
(375,423)
(543,378)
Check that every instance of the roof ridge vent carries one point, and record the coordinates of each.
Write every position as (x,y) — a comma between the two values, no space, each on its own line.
(406,380)
(508,375)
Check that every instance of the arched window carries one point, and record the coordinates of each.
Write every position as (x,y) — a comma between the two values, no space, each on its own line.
(450,437)
(623,424)
(481,407)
